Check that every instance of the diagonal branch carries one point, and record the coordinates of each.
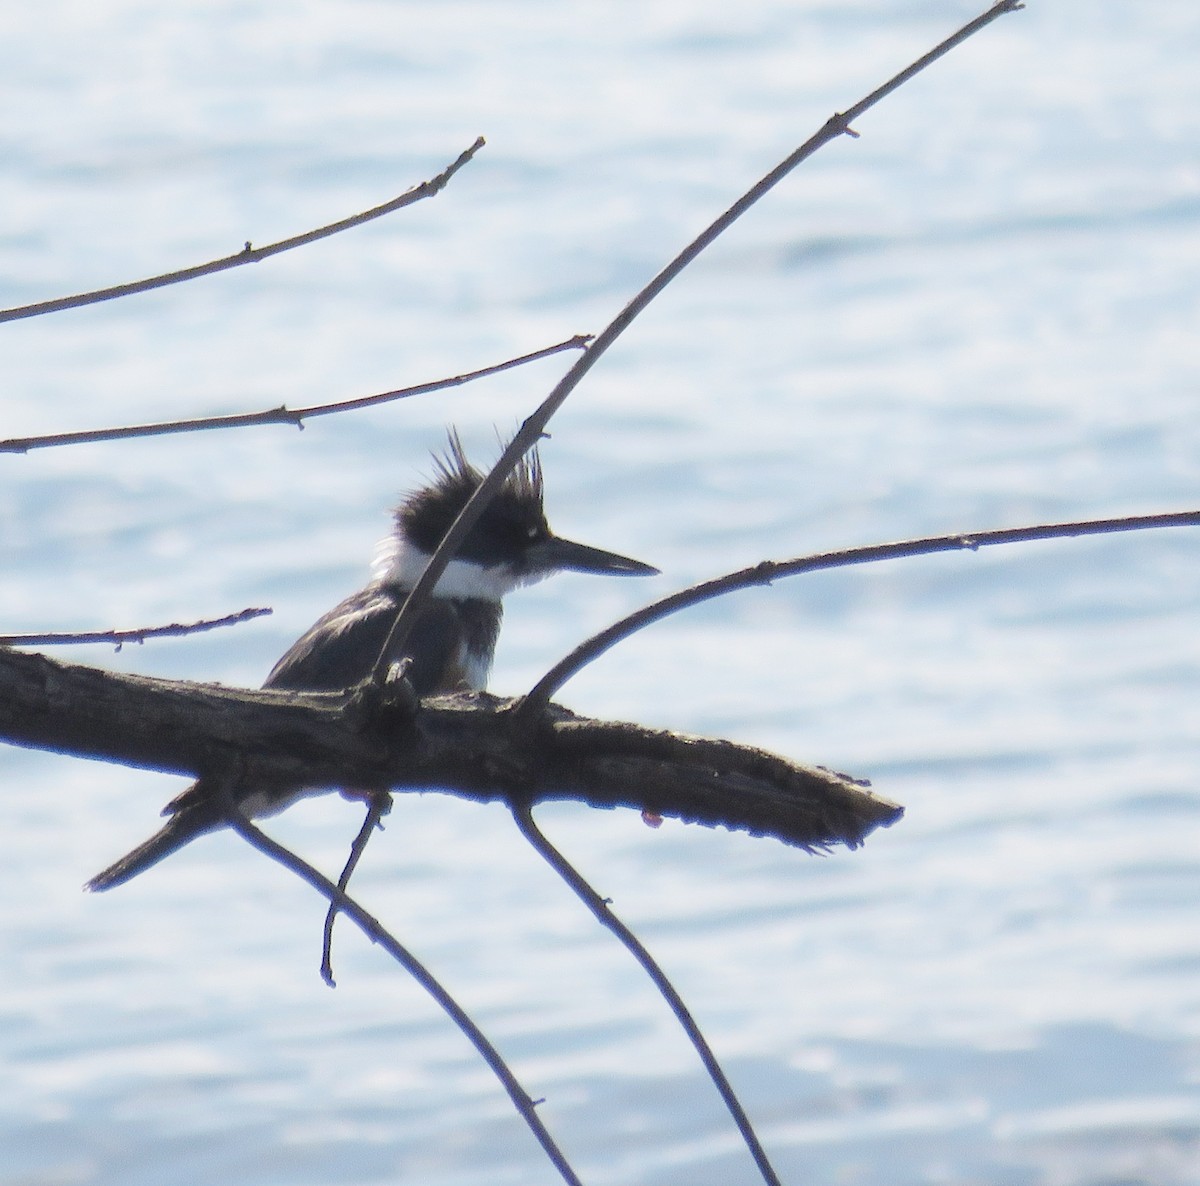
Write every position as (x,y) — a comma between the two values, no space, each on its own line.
(768,571)
(604,915)
(283,414)
(531,430)
(248,254)
(374,930)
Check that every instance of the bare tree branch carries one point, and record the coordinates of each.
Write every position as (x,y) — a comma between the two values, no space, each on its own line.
(374,930)
(282,414)
(120,637)
(248,254)
(379,803)
(467,744)
(768,571)
(531,430)
(603,913)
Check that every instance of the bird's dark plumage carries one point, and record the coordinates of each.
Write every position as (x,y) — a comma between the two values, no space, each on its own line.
(341,647)
(451,644)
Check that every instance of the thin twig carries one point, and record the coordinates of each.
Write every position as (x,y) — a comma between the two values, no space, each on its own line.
(249,254)
(770,570)
(377,933)
(379,803)
(282,414)
(120,637)
(531,430)
(603,913)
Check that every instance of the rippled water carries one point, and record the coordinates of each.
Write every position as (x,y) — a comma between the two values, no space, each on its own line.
(981,314)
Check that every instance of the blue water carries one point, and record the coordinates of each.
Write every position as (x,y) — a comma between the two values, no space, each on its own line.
(981,314)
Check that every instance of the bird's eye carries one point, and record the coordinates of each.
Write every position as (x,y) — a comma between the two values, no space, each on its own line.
(532,532)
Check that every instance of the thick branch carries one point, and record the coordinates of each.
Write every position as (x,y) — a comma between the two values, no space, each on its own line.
(466,745)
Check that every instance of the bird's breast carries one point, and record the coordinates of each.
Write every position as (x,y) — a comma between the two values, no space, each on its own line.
(470,658)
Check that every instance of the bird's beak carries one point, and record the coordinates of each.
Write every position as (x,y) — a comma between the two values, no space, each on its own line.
(554,555)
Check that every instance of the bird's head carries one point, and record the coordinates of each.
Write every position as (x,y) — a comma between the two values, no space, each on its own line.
(510,545)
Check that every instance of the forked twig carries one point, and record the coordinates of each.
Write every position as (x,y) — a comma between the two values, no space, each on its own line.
(248,254)
(531,430)
(377,933)
(379,803)
(282,414)
(604,915)
(119,637)
(771,570)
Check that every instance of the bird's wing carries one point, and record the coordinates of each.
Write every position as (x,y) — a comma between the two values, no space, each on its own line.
(341,648)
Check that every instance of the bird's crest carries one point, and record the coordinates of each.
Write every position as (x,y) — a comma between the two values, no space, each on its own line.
(452,471)
(514,515)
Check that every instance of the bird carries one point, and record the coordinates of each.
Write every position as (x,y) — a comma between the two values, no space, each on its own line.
(452,643)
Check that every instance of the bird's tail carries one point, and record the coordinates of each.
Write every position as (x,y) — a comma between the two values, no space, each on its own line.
(194,817)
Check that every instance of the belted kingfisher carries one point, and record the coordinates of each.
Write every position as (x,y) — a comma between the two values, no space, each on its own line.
(451,645)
